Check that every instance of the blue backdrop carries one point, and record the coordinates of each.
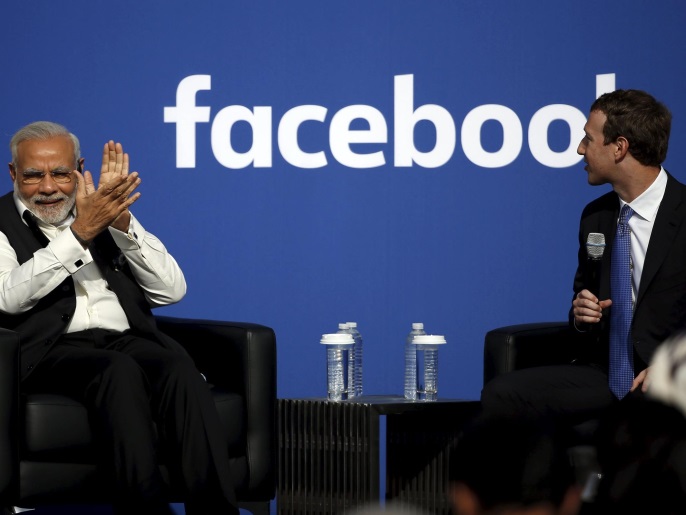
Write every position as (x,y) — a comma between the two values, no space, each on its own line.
(386,162)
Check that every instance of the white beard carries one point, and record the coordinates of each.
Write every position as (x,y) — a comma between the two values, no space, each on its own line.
(49,214)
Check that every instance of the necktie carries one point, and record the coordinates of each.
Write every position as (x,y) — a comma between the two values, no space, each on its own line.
(33,225)
(621,349)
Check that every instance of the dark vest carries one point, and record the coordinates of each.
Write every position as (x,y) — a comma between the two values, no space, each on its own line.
(40,327)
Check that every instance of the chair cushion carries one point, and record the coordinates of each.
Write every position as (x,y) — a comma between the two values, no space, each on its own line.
(57,427)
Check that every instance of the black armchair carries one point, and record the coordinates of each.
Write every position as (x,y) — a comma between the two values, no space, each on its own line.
(46,445)
(521,346)
(527,345)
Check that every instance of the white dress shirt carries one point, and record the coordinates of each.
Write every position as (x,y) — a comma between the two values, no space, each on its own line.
(22,286)
(645,208)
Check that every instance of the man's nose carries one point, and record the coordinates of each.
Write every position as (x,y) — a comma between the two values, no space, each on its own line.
(47,185)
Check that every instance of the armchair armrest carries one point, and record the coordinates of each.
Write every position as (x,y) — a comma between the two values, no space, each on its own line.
(527,345)
(9,402)
(239,357)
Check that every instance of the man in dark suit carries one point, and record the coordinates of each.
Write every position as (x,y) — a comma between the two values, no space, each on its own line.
(641,292)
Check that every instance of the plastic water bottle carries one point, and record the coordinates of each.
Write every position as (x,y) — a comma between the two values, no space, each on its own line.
(338,350)
(411,362)
(427,365)
(357,357)
(344,328)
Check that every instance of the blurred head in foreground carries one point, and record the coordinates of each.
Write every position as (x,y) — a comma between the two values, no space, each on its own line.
(642,442)
(506,466)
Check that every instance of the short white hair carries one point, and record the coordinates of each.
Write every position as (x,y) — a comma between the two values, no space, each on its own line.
(43,131)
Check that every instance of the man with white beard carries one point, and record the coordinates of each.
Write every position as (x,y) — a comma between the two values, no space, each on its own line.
(78,276)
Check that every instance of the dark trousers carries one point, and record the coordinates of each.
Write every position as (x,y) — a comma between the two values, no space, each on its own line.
(566,394)
(144,400)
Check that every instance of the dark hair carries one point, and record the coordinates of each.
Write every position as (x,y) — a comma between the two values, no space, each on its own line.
(641,119)
(512,461)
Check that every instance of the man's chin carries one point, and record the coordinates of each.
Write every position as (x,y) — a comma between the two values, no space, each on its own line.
(53,214)
(594,181)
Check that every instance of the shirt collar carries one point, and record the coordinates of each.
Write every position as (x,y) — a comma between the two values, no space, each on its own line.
(648,202)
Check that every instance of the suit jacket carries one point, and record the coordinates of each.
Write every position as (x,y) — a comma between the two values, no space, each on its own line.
(660,309)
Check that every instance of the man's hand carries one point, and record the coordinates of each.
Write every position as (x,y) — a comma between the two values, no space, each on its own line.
(96,209)
(115,164)
(587,308)
(642,380)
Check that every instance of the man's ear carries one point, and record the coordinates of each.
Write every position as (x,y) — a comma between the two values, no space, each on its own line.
(622,148)
(79,165)
(464,500)
(13,172)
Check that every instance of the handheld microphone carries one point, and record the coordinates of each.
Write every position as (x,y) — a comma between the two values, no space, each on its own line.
(595,248)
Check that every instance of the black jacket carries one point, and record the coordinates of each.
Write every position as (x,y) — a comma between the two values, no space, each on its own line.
(660,309)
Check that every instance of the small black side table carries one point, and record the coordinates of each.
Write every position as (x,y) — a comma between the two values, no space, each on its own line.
(329,452)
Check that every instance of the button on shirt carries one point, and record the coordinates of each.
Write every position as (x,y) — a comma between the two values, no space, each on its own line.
(645,208)
(22,286)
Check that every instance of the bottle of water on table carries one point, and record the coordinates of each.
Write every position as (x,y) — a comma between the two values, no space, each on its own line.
(338,349)
(411,361)
(427,365)
(357,359)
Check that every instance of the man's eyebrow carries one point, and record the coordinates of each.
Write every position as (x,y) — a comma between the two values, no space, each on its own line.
(58,169)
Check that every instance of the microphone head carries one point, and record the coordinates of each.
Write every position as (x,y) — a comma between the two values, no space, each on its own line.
(595,245)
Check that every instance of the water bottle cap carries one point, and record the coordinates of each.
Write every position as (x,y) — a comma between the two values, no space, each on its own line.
(343,325)
(337,339)
(417,325)
(352,325)
(428,339)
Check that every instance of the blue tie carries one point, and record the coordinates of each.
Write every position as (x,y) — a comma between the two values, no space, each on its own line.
(621,312)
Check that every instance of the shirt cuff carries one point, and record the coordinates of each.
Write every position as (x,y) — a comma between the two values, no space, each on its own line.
(130,240)
(69,252)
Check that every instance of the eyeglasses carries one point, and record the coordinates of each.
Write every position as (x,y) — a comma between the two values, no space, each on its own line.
(59,176)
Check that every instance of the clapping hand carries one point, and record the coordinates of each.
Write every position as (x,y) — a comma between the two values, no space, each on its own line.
(115,163)
(108,204)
